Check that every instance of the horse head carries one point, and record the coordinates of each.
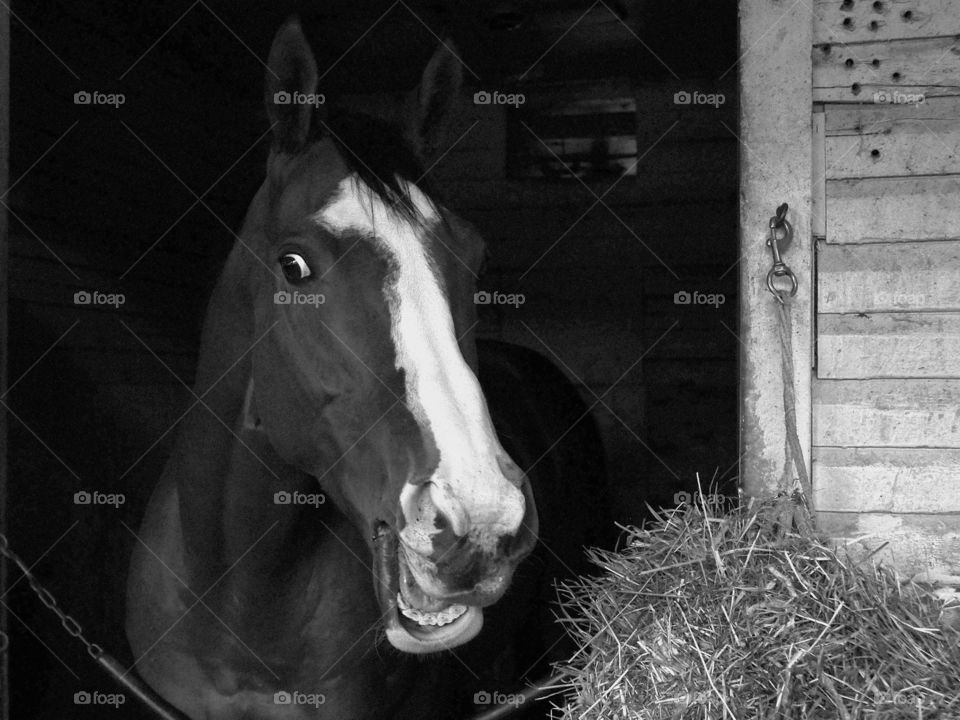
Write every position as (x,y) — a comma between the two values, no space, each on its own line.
(362,288)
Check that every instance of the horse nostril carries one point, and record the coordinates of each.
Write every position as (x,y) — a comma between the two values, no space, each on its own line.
(449,511)
(431,508)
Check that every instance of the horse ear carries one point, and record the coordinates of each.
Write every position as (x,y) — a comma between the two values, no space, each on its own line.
(436,96)
(291,69)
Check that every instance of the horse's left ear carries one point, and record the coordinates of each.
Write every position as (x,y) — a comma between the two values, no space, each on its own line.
(291,75)
(438,92)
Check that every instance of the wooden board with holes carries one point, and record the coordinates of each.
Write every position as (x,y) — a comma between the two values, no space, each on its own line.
(856,21)
(853,73)
(892,140)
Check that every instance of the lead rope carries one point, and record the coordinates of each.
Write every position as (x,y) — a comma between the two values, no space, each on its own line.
(797,488)
(127,679)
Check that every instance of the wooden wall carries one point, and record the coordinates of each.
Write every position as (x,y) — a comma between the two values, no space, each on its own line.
(599,282)
(886,393)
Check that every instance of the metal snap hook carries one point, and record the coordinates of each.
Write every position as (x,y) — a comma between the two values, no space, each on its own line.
(780,268)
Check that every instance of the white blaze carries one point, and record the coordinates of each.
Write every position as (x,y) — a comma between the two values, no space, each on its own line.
(441,390)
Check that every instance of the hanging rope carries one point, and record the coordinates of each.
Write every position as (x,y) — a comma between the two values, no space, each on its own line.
(795,485)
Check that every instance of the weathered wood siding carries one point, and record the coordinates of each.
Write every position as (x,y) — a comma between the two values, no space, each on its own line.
(886,394)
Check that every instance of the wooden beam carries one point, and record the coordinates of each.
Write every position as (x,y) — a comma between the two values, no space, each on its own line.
(775,167)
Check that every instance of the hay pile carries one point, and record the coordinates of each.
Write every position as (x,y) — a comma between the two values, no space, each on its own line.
(713,615)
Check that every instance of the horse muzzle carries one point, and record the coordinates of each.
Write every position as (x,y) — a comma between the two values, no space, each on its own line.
(435,603)
(441,626)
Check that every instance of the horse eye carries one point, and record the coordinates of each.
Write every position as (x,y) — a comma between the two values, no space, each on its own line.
(294,267)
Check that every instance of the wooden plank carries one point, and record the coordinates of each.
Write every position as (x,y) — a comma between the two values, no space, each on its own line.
(883,277)
(775,167)
(887,413)
(818,195)
(866,21)
(890,480)
(843,73)
(915,543)
(884,140)
(879,118)
(893,209)
(916,345)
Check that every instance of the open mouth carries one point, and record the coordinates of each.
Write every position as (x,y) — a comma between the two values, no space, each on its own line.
(416,621)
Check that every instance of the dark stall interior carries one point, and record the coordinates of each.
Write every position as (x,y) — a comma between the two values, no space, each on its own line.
(594,147)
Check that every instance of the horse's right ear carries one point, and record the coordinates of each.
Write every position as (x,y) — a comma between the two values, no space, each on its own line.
(291,69)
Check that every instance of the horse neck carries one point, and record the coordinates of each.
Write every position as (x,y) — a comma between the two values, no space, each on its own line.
(226,474)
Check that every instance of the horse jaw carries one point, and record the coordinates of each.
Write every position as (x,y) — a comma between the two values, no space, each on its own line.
(402,634)
(447,637)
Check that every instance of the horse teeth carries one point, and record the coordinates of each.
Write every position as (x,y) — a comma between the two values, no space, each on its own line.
(441,617)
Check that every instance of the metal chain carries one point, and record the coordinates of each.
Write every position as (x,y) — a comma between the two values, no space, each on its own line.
(69,623)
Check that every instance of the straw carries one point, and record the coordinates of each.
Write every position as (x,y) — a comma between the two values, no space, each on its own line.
(708,613)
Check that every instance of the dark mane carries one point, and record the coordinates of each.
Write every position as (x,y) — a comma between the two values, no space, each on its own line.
(380,155)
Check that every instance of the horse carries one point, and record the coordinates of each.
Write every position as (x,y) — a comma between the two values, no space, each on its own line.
(339,531)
